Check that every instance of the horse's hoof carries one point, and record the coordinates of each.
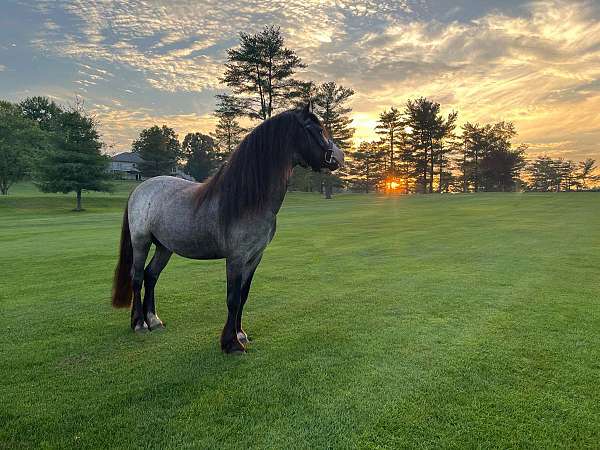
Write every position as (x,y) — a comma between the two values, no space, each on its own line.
(243,338)
(154,323)
(140,328)
(236,352)
(233,348)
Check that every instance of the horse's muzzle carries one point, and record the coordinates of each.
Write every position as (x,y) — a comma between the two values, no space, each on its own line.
(335,159)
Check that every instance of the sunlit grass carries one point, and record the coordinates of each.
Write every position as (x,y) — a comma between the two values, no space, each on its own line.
(378,322)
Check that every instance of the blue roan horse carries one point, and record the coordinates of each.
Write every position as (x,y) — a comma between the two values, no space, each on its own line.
(231,216)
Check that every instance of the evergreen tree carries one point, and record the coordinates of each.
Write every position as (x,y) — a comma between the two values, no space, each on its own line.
(74,161)
(391,127)
(331,105)
(366,168)
(445,144)
(260,73)
(425,122)
(228,133)
(585,172)
(544,175)
(159,149)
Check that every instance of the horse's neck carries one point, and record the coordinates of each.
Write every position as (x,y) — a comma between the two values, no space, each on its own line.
(278,196)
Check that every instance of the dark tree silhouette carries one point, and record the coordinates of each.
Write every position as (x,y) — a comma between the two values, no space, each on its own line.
(260,73)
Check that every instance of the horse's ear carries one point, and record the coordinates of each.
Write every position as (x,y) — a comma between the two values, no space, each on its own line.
(308,108)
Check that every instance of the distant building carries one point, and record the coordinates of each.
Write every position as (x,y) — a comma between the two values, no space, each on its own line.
(125,166)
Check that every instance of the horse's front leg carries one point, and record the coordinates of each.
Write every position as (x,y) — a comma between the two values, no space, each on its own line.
(229,338)
(246,282)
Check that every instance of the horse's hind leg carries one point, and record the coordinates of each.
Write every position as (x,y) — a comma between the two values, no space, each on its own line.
(153,269)
(140,253)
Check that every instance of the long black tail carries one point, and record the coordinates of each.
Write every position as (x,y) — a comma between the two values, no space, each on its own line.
(122,291)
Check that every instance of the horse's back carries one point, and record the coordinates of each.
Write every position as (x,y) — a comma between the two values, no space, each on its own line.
(156,196)
(167,209)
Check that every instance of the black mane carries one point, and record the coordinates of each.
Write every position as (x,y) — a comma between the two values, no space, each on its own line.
(255,169)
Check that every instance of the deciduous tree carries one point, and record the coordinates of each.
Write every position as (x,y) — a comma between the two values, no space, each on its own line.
(19,137)
(199,152)
(73,162)
(160,150)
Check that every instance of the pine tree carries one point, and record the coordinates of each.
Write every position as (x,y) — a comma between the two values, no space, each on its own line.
(391,127)
(260,73)
(366,168)
(228,133)
(330,104)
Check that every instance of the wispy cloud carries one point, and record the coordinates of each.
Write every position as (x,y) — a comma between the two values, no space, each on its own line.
(537,63)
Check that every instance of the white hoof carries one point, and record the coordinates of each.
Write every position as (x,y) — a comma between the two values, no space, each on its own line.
(141,328)
(154,323)
(242,337)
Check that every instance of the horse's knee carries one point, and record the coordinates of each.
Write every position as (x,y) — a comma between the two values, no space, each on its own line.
(150,278)
(136,284)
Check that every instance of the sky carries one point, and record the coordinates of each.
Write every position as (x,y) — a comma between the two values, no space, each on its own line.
(138,63)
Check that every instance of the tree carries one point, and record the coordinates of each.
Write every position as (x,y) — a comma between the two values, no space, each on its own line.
(42,110)
(228,133)
(19,137)
(366,168)
(544,174)
(330,104)
(500,163)
(585,172)
(160,150)
(444,131)
(199,152)
(74,161)
(260,73)
(566,170)
(428,130)
(391,126)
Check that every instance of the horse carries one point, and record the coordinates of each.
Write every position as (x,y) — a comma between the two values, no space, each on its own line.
(231,216)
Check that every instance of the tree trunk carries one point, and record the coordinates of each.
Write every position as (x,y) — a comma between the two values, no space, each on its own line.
(476,172)
(78,207)
(431,171)
(441,171)
(392,167)
(328,189)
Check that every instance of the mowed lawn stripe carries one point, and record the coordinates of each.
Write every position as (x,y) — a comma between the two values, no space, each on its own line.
(430,321)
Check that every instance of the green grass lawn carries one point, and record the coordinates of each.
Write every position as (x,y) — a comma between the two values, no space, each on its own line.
(454,321)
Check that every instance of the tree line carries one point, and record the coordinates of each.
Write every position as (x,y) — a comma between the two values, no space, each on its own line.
(418,150)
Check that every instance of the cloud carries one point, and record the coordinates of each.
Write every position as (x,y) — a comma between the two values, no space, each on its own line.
(124,125)
(537,64)
(539,71)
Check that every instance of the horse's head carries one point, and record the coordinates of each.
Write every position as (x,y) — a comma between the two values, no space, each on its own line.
(318,150)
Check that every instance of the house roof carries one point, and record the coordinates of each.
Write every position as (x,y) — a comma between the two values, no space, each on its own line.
(129,157)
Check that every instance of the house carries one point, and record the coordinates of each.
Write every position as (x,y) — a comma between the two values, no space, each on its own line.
(125,166)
